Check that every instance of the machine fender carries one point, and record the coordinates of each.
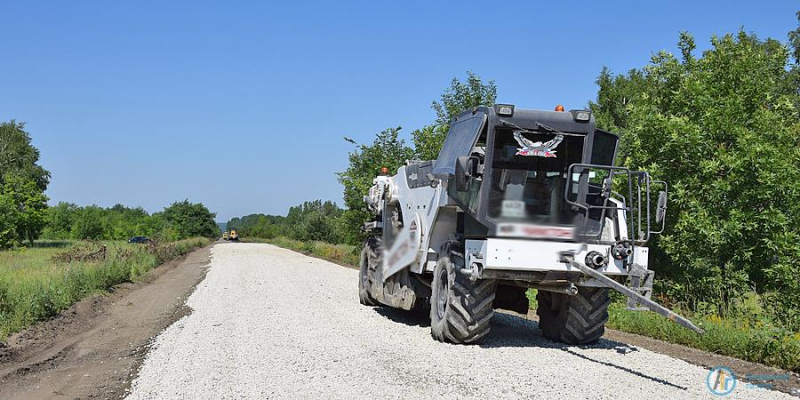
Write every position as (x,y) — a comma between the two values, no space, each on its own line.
(405,248)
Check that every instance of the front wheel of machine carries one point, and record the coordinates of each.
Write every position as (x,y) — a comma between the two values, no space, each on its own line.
(363,279)
(461,310)
(578,319)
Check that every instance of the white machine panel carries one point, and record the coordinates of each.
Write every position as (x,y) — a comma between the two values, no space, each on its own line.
(640,256)
(541,255)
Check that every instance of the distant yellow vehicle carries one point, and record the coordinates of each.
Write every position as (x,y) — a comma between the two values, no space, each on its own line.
(233,235)
(225,235)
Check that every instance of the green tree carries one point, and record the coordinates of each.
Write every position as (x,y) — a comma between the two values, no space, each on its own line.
(366,161)
(428,141)
(462,96)
(31,205)
(90,223)
(794,41)
(8,220)
(793,82)
(723,130)
(315,220)
(23,183)
(190,220)
(59,220)
(18,157)
(457,98)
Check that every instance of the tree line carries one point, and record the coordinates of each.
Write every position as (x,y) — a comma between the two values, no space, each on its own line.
(25,215)
(311,220)
(180,220)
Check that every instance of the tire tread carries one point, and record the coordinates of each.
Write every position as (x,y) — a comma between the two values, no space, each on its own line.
(575,320)
(469,306)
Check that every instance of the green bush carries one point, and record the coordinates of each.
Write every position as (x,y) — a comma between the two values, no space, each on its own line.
(726,142)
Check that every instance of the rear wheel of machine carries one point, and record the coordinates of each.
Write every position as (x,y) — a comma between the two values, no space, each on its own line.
(578,319)
(364,281)
(460,308)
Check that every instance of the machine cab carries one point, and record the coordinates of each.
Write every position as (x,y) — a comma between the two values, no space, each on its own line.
(537,174)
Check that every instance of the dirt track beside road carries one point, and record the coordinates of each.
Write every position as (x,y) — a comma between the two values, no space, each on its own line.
(93,349)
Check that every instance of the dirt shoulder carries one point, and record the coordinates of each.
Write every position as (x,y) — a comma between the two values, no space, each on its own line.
(93,349)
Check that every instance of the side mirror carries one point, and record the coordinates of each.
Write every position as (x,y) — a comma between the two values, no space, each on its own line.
(661,209)
(466,167)
(605,191)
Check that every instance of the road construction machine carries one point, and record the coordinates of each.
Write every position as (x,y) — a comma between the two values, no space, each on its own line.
(517,199)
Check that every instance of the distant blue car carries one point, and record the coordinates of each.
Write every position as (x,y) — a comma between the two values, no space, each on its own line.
(139,239)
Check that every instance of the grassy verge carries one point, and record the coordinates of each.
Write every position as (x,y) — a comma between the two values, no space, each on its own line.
(37,283)
(755,342)
(731,337)
(338,253)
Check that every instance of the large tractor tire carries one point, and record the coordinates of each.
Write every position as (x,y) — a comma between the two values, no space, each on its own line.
(369,259)
(574,320)
(460,308)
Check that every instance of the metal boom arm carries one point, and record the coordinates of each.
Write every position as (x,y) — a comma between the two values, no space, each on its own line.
(652,305)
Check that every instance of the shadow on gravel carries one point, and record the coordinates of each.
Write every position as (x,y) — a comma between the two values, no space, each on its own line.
(628,370)
(410,318)
(513,331)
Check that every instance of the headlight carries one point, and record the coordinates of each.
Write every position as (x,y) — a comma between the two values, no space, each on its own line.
(506,110)
(581,115)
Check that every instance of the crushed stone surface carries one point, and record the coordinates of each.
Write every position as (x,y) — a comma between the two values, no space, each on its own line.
(272,323)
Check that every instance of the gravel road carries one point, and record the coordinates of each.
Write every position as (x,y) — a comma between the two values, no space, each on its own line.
(269,322)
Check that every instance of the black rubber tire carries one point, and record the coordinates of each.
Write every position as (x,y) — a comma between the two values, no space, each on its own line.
(364,282)
(461,310)
(574,320)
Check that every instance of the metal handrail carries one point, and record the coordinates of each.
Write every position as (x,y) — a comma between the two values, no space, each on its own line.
(636,233)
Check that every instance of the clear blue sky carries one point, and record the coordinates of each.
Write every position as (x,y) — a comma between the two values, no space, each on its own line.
(243,105)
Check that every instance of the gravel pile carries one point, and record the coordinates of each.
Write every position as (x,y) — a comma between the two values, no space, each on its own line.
(269,322)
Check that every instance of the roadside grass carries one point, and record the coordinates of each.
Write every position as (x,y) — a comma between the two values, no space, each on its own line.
(746,338)
(773,346)
(338,253)
(37,283)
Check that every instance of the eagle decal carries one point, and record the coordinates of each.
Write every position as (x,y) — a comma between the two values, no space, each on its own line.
(537,149)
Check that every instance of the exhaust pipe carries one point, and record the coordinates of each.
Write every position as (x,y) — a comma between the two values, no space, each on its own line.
(595,260)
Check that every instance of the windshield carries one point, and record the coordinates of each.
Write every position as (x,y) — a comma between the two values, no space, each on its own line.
(529,175)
